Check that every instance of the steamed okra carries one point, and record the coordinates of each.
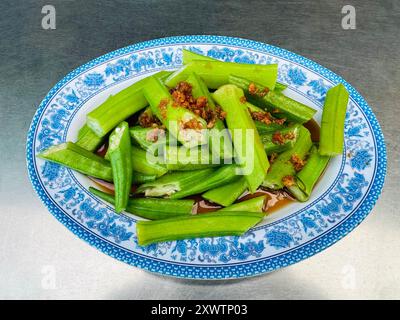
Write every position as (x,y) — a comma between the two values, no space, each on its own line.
(210,131)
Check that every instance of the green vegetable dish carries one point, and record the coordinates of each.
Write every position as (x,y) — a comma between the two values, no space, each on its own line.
(207,150)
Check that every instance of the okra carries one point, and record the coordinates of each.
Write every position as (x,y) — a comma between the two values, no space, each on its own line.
(272,100)
(119,107)
(282,166)
(162,75)
(216,73)
(263,128)
(139,178)
(332,123)
(75,157)
(251,107)
(119,150)
(219,177)
(214,224)
(220,142)
(308,176)
(189,56)
(88,140)
(149,139)
(174,117)
(146,163)
(72,156)
(147,112)
(227,194)
(288,137)
(174,182)
(199,89)
(252,205)
(179,158)
(279,87)
(297,193)
(150,208)
(249,149)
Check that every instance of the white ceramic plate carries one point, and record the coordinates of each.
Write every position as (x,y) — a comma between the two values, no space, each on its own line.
(344,196)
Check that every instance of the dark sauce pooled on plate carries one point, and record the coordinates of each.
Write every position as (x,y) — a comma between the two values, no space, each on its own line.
(314,129)
(274,200)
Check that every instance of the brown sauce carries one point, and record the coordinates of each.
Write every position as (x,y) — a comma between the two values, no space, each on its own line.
(102,150)
(202,205)
(106,186)
(275,199)
(314,129)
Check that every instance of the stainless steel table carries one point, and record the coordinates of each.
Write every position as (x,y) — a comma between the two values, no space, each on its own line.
(40,258)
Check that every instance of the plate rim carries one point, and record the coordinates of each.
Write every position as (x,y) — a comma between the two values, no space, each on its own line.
(251,268)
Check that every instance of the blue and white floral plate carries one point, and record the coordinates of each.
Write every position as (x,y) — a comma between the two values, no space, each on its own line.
(342,199)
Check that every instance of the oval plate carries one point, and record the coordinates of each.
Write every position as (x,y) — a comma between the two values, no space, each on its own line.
(342,199)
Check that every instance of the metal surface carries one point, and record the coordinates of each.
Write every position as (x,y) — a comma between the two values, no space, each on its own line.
(41,259)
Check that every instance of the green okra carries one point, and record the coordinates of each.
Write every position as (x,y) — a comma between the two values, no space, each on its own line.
(119,150)
(252,108)
(139,178)
(271,100)
(150,208)
(227,194)
(174,182)
(146,112)
(75,157)
(220,142)
(214,224)
(149,139)
(308,176)
(81,160)
(119,107)
(178,158)
(279,87)
(174,117)
(251,205)
(190,56)
(216,73)
(88,140)
(248,148)
(163,74)
(297,193)
(289,136)
(267,131)
(263,128)
(332,123)
(282,166)
(146,163)
(218,177)
(199,89)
